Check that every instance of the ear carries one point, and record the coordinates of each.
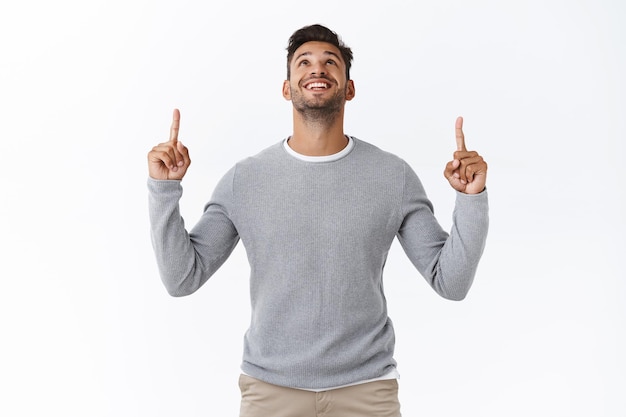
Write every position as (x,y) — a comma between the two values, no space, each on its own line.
(350,91)
(286,90)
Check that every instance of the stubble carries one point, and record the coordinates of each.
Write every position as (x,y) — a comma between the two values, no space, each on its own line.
(318,110)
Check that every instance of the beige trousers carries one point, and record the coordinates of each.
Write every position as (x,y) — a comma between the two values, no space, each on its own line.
(372,399)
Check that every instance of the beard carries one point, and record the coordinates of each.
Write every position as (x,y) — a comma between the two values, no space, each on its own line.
(318,109)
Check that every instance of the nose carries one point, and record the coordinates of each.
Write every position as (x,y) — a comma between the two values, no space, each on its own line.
(318,69)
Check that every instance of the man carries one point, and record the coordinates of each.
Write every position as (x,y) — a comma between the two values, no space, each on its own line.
(317,214)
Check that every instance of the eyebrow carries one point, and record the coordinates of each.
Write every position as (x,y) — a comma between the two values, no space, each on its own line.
(325,53)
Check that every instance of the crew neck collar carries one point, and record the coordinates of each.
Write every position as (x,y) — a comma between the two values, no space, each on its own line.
(324,158)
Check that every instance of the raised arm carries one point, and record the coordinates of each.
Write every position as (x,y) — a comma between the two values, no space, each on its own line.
(185,260)
(448,261)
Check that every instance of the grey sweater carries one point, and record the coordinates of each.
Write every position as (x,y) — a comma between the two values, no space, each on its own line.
(317,237)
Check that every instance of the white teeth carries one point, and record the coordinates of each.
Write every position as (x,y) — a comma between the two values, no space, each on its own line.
(317,85)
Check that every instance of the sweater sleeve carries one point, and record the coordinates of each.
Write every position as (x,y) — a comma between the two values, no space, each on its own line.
(186,260)
(448,261)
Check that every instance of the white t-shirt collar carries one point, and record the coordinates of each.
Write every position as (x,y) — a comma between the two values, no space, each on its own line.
(325,158)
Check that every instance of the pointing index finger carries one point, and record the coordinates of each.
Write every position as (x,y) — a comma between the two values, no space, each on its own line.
(460,138)
(175,125)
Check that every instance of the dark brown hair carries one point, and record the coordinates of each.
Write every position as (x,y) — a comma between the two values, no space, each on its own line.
(318,33)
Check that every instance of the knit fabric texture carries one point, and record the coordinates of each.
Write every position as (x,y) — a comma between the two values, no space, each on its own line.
(317,236)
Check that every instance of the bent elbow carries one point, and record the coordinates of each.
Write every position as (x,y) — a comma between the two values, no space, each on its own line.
(455,296)
(181,287)
(455,290)
(178,292)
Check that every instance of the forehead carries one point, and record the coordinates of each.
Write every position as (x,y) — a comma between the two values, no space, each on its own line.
(317,48)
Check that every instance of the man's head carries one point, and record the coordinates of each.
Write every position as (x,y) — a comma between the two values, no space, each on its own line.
(318,83)
(317,33)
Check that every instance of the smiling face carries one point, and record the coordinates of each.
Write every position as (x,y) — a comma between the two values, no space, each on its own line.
(318,86)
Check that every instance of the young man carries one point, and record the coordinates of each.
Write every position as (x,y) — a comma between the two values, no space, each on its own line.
(317,214)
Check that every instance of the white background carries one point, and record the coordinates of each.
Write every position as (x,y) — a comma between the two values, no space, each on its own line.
(88,87)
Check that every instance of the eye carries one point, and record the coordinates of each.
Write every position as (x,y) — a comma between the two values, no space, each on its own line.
(331,62)
(303,62)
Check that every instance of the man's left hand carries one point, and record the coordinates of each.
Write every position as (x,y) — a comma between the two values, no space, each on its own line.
(467,172)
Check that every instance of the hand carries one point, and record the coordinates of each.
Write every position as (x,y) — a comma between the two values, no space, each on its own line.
(169,160)
(467,172)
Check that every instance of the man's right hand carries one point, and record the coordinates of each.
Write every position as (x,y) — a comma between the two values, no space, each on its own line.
(169,160)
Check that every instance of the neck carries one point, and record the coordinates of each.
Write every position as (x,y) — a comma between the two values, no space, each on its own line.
(317,137)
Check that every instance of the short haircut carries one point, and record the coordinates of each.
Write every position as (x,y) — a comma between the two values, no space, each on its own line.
(318,33)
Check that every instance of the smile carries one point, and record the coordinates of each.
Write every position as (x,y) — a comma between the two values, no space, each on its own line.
(317,86)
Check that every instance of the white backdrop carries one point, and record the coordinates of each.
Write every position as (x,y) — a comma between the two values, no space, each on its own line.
(87,88)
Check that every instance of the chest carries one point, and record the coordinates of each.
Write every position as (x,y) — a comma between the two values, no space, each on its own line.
(318,204)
